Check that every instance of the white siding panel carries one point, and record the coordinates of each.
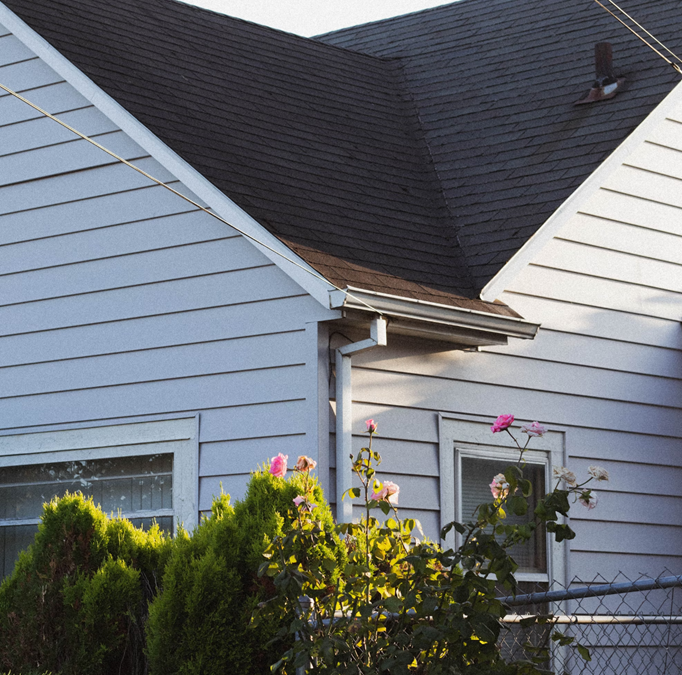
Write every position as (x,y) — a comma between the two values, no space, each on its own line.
(600,262)
(245,455)
(66,157)
(79,185)
(41,132)
(265,351)
(564,315)
(625,210)
(3,30)
(416,492)
(625,538)
(12,50)
(604,293)
(623,237)
(145,235)
(459,396)
(214,486)
(202,325)
(410,424)
(668,133)
(400,457)
(658,159)
(148,300)
(603,446)
(645,508)
(153,398)
(55,98)
(635,478)
(586,566)
(139,204)
(271,418)
(504,370)
(646,185)
(131,270)
(629,357)
(632,210)
(28,74)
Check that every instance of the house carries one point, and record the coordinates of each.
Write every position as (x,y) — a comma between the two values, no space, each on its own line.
(427,182)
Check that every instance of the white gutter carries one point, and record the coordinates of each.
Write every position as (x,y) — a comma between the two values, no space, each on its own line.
(344,414)
(433,313)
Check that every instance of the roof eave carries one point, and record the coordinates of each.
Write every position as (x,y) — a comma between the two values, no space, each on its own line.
(419,318)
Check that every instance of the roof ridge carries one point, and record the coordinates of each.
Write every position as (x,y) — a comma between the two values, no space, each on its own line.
(450,234)
(377,22)
(279,31)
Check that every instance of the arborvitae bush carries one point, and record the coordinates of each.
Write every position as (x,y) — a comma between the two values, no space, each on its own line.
(200,623)
(77,599)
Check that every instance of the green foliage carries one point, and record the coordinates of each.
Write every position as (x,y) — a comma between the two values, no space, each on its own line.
(201,622)
(402,606)
(76,601)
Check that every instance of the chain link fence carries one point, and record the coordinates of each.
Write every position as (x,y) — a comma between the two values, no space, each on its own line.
(630,626)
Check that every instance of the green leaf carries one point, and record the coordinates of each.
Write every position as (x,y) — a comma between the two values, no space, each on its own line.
(526,487)
(518,505)
(584,652)
(352,493)
(528,621)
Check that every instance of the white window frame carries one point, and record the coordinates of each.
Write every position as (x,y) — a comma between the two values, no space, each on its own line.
(177,436)
(471,436)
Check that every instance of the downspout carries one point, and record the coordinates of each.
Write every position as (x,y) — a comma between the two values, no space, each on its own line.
(344,412)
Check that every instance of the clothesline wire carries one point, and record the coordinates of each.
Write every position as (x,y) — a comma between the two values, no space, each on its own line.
(634,32)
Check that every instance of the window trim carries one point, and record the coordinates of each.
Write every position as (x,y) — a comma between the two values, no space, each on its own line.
(176,436)
(472,436)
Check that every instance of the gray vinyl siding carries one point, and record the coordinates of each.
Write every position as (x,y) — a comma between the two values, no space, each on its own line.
(606,367)
(120,301)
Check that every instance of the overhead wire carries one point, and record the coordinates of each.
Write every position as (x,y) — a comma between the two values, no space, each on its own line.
(634,32)
(185,197)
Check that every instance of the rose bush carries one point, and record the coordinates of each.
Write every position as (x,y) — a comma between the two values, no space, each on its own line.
(405,605)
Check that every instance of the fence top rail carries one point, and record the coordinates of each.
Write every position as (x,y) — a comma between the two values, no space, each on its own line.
(592,591)
(590,619)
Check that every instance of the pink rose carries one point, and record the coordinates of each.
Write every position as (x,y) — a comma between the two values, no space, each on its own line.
(278,465)
(499,487)
(502,422)
(588,498)
(371,426)
(302,500)
(534,429)
(305,464)
(389,492)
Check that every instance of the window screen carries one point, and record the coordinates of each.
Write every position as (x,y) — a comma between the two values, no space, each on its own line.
(141,488)
(476,476)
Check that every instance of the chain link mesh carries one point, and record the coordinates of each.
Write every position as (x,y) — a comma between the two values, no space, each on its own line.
(627,634)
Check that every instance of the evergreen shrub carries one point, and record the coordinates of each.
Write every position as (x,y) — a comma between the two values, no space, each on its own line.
(201,622)
(77,599)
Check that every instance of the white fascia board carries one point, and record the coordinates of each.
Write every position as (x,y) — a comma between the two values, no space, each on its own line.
(431,312)
(505,277)
(182,170)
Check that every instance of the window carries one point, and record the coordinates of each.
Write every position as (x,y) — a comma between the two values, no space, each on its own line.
(146,471)
(470,455)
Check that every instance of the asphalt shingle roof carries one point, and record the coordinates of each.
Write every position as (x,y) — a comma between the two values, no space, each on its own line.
(412,156)
(495,82)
